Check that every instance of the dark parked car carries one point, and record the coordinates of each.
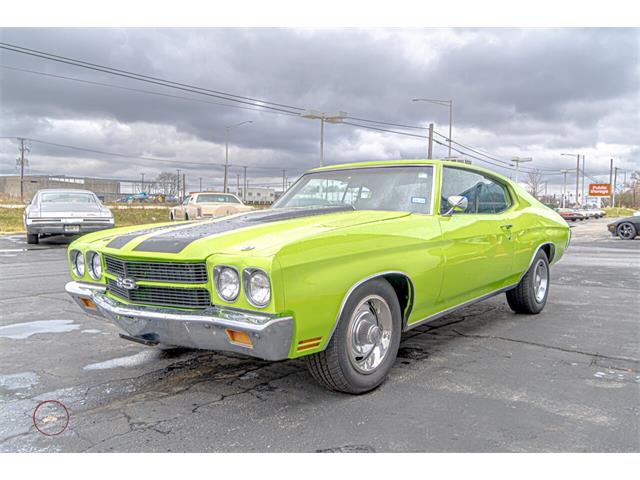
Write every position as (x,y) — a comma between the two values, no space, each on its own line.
(625,228)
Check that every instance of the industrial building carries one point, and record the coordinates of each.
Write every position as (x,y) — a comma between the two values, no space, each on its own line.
(107,190)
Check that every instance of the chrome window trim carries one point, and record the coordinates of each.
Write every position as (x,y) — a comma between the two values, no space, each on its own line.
(430,165)
(502,183)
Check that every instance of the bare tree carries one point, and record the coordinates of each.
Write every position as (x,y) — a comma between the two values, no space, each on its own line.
(167,183)
(535,183)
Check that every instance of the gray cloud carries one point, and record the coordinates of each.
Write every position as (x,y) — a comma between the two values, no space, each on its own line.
(532,92)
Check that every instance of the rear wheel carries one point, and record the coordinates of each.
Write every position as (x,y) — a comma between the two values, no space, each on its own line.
(530,295)
(627,231)
(365,343)
(32,238)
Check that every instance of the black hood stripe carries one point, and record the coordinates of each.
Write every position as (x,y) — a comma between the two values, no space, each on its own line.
(175,241)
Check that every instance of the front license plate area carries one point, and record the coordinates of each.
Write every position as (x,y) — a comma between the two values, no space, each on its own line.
(72,228)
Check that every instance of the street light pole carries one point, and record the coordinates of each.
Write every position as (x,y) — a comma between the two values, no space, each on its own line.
(564,187)
(442,103)
(577,155)
(518,161)
(337,117)
(226,150)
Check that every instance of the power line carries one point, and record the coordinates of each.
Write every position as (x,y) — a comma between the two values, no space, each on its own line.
(139,90)
(138,157)
(85,64)
(144,78)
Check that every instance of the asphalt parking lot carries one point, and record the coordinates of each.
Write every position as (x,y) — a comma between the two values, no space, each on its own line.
(482,379)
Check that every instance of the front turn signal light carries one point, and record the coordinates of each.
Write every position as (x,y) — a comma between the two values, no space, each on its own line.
(239,338)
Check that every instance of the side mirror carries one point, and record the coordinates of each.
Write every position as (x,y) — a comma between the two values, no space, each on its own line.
(457,203)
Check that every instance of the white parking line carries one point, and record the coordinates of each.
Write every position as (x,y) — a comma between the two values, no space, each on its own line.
(10,250)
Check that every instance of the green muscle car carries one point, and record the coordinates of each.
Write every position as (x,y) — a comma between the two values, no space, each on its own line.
(350,257)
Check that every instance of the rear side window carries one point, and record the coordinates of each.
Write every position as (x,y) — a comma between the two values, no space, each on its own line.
(483,194)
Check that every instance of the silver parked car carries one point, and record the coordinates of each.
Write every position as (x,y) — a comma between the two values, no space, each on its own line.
(64,212)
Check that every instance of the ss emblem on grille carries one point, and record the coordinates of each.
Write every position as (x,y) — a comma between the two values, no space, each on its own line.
(126,283)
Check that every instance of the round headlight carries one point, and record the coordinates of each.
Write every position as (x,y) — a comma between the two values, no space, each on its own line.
(95,265)
(227,283)
(77,263)
(257,287)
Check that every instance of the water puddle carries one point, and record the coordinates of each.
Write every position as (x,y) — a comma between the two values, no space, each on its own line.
(124,362)
(17,381)
(20,331)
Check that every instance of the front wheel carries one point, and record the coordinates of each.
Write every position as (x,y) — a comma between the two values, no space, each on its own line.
(32,238)
(627,231)
(365,343)
(530,295)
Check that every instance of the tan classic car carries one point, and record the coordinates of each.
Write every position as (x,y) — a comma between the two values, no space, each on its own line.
(208,205)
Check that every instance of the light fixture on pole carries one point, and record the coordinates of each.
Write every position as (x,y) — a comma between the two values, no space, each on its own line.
(518,161)
(337,117)
(226,151)
(577,155)
(442,103)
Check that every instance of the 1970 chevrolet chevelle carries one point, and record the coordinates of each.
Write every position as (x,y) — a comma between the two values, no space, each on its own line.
(349,258)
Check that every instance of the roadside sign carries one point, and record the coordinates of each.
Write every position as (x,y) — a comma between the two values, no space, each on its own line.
(599,189)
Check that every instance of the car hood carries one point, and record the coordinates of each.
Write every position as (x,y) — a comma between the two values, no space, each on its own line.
(256,233)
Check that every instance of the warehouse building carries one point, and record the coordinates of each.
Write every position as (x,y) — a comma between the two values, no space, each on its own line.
(107,190)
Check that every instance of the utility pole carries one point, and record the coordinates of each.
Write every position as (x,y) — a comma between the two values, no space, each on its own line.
(611,183)
(244,187)
(430,148)
(184,184)
(442,103)
(237,183)
(178,184)
(583,201)
(200,182)
(613,187)
(142,183)
(23,149)
(284,180)
(564,187)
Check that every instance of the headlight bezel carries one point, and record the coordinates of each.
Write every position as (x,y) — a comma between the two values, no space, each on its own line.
(74,256)
(247,275)
(218,270)
(91,256)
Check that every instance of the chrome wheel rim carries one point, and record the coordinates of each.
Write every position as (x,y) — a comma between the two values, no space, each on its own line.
(625,230)
(540,280)
(369,334)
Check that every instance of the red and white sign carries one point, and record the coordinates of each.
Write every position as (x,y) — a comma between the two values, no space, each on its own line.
(599,190)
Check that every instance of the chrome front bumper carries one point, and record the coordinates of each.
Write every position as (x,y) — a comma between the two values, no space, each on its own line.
(270,335)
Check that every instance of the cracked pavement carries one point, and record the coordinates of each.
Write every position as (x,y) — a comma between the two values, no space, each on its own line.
(481,379)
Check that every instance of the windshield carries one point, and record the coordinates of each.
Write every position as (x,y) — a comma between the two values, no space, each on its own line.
(216,198)
(401,188)
(67,197)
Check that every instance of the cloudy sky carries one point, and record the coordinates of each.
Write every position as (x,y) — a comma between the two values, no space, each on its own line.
(516,92)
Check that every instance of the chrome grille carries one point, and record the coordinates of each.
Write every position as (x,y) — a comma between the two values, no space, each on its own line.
(157,272)
(165,296)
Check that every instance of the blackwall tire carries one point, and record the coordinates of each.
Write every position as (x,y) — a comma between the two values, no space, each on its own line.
(365,343)
(531,293)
